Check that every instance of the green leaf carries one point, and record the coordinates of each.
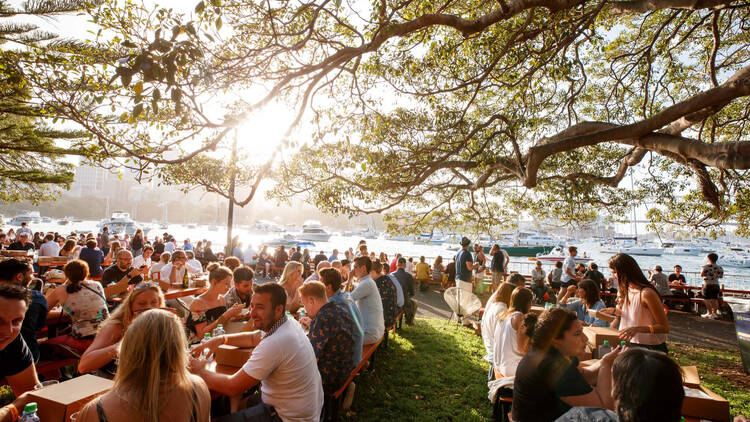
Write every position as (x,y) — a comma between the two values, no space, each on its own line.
(218,23)
(137,110)
(200,7)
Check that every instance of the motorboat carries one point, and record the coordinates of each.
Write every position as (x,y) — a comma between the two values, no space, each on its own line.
(164,226)
(631,246)
(288,241)
(119,222)
(27,217)
(558,254)
(368,233)
(46,220)
(429,239)
(399,238)
(533,239)
(681,248)
(263,226)
(313,231)
(213,228)
(736,260)
(191,225)
(63,221)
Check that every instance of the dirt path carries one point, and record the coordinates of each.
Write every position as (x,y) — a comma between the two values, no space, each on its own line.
(684,328)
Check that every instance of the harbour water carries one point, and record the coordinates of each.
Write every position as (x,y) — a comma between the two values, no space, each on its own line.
(735,278)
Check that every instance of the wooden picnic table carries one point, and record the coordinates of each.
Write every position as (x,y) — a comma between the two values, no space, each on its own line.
(174,293)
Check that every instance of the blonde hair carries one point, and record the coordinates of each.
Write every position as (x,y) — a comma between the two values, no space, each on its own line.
(290,267)
(115,246)
(314,289)
(503,293)
(217,272)
(124,313)
(152,357)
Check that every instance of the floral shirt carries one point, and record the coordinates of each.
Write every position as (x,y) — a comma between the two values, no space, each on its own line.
(87,309)
(331,336)
(712,273)
(388,296)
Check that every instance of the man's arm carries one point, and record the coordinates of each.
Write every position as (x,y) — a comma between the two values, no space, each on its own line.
(229,385)
(23,381)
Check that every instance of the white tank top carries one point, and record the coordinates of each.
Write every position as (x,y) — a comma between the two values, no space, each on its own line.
(507,353)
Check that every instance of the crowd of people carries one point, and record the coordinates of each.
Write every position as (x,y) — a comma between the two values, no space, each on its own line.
(310,327)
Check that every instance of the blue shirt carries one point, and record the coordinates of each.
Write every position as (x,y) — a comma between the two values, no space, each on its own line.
(332,258)
(582,312)
(462,273)
(35,320)
(94,258)
(331,335)
(187,247)
(343,299)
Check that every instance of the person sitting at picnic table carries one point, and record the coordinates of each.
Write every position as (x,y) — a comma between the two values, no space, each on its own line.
(593,273)
(210,309)
(643,322)
(497,304)
(537,273)
(331,278)
(554,278)
(68,250)
(242,290)
(422,274)
(283,359)
(208,253)
(406,281)
(22,243)
(20,273)
(331,330)
(291,280)
(315,276)
(114,247)
(144,258)
(152,382)
(106,345)
(368,301)
(93,256)
(193,265)
(232,262)
(548,379)
(660,281)
(387,292)
(588,298)
(17,367)
(646,387)
(83,301)
(123,271)
(542,292)
(511,339)
(155,269)
(174,272)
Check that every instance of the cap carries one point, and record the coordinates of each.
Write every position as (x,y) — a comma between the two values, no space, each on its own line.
(465,241)
(30,407)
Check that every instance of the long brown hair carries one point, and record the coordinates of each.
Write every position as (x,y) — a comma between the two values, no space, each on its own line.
(520,301)
(504,292)
(628,274)
(592,291)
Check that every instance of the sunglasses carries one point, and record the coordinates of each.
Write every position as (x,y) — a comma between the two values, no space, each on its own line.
(146,285)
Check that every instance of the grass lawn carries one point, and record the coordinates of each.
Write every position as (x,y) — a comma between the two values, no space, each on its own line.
(435,371)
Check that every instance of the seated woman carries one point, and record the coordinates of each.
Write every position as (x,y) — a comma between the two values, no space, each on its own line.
(511,341)
(83,300)
(548,380)
(114,247)
(152,382)
(588,298)
(291,280)
(106,345)
(209,309)
(155,269)
(646,387)
(496,305)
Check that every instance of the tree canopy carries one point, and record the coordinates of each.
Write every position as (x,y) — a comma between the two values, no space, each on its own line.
(466,112)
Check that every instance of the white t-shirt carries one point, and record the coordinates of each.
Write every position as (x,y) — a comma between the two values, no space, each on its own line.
(167,270)
(169,247)
(139,261)
(489,321)
(568,264)
(367,296)
(156,268)
(50,248)
(194,266)
(285,364)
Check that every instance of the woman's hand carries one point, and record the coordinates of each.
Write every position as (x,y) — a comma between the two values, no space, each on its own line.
(211,345)
(195,365)
(610,357)
(233,311)
(628,333)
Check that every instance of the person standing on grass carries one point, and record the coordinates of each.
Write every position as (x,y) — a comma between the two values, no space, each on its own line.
(499,265)
(464,266)
(711,273)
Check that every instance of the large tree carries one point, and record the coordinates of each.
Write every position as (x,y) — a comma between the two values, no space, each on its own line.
(477,112)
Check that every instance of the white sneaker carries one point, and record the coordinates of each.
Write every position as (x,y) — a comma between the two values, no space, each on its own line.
(713,316)
(706,315)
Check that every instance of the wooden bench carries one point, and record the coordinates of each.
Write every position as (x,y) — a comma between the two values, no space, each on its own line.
(334,402)
(396,325)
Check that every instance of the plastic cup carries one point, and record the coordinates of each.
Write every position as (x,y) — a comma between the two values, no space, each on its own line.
(74,417)
(46,384)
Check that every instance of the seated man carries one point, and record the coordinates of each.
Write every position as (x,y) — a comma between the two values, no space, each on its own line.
(331,278)
(144,259)
(330,331)
(17,366)
(174,272)
(122,271)
(193,265)
(18,272)
(283,359)
(406,282)
(387,291)
(660,281)
(93,256)
(242,291)
(21,243)
(368,300)
(315,276)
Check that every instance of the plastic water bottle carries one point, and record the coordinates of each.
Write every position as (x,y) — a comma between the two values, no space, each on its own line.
(623,343)
(29,413)
(219,330)
(604,348)
(206,337)
(302,313)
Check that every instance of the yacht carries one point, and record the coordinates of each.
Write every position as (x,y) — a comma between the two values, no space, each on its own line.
(63,221)
(313,231)
(559,254)
(288,241)
(27,217)
(46,220)
(119,222)
(738,260)
(681,248)
(630,246)
(367,233)
(263,226)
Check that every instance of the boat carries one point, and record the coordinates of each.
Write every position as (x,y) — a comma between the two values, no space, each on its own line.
(288,241)
(27,217)
(191,225)
(630,245)
(736,260)
(313,231)
(2,221)
(119,222)
(559,254)
(63,221)
(264,226)
(681,248)
(213,228)
(399,238)
(367,233)
(46,220)
(163,226)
